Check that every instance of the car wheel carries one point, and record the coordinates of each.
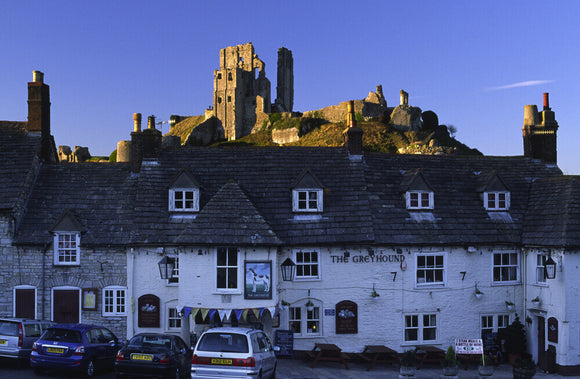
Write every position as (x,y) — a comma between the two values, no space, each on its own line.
(90,370)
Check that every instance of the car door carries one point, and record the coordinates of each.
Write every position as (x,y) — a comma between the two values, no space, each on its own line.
(268,351)
(183,355)
(111,347)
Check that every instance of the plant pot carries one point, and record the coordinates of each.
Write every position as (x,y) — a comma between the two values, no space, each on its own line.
(510,307)
(486,370)
(407,371)
(478,295)
(450,371)
(524,372)
(535,303)
(310,308)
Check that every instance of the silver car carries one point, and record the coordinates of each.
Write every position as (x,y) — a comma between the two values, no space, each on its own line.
(233,353)
(17,336)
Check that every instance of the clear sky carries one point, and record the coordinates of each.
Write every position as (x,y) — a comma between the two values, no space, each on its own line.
(474,63)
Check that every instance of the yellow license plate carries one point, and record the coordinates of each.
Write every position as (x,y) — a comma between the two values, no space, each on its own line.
(141,357)
(220,361)
(56,350)
(3,342)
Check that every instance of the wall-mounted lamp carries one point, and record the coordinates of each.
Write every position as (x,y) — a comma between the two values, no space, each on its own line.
(550,268)
(288,270)
(166,266)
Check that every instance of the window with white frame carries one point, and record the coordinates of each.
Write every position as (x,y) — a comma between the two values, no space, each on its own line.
(173,319)
(430,269)
(307,200)
(305,322)
(184,200)
(420,328)
(66,248)
(114,301)
(227,268)
(174,279)
(419,200)
(506,268)
(307,264)
(497,201)
(541,268)
(493,324)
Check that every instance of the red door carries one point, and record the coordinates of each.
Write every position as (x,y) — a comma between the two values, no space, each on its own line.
(24,306)
(66,306)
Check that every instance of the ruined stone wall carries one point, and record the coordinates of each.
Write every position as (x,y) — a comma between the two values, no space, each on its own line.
(285,80)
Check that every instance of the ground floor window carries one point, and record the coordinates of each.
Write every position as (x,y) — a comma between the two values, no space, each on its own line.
(493,324)
(173,319)
(114,301)
(420,328)
(305,321)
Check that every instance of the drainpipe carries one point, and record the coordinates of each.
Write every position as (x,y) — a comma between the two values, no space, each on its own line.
(130,282)
(44,249)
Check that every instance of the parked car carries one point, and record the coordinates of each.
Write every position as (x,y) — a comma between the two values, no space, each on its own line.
(156,355)
(17,336)
(233,353)
(78,347)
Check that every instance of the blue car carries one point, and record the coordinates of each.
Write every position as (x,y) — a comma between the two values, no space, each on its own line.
(77,347)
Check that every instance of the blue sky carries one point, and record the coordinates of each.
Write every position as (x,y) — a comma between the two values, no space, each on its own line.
(476,64)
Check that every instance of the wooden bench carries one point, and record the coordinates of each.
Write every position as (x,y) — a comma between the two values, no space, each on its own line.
(326,352)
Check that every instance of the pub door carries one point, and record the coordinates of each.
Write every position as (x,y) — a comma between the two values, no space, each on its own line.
(65,306)
(542,343)
(25,302)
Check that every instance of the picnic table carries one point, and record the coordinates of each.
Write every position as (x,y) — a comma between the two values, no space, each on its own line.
(429,354)
(378,354)
(326,352)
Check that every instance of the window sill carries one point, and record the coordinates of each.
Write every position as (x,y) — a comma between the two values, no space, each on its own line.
(226,292)
(302,336)
(429,286)
(505,283)
(66,264)
(312,279)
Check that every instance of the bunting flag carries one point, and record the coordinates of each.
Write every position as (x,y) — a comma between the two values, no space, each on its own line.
(187,311)
(179,308)
(204,312)
(256,312)
(224,314)
(245,314)
(261,311)
(211,314)
(273,311)
(194,312)
(238,313)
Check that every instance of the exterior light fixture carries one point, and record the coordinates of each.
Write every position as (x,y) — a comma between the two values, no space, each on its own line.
(166,266)
(550,268)
(288,270)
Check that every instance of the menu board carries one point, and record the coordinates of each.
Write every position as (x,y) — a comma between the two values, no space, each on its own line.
(285,341)
(148,311)
(346,317)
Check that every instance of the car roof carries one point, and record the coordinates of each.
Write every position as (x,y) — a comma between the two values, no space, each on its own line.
(238,330)
(152,334)
(17,319)
(79,327)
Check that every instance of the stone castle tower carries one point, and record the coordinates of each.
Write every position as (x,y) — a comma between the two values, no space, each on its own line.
(241,90)
(285,80)
(539,132)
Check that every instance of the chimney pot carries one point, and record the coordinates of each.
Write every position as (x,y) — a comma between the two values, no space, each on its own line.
(546,101)
(137,121)
(37,77)
(151,122)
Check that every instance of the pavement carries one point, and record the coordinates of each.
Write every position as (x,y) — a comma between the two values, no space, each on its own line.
(298,369)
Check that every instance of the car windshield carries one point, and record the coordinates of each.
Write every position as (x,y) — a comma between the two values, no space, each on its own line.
(150,341)
(224,342)
(62,335)
(9,328)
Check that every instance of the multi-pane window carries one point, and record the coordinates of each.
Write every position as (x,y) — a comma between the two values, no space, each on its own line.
(541,268)
(114,301)
(184,200)
(312,324)
(493,324)
(505,267)
(430,269)
(66,249)
(307,264)
(227,268)
(420,328)
(173,319)
(307,200)
(419,200)
(295,317)
(497,201)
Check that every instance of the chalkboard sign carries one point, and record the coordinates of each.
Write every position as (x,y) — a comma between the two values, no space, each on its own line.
(285,341)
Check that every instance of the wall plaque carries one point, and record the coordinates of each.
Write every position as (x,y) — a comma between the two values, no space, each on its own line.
(346,317)
(148,311)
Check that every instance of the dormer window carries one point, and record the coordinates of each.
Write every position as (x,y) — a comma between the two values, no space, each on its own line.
(419,200)
(67,240)
(184,194)
(307,194)
(496,201)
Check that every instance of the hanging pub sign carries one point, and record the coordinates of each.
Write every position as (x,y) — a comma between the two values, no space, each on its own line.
(346,317)
(148,311)
(258,277)
(553,330)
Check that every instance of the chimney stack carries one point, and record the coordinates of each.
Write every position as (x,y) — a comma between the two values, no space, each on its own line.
(39,115)
(353,135)
(539,132)
(546,101)
(137,122)
(151,122)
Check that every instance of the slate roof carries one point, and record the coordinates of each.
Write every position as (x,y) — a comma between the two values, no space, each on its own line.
(18,153)
(246,198)
(553,214)
(98,196)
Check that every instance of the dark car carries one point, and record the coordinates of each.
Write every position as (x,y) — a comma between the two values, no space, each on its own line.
(78,347)
(17,336)
(154,355)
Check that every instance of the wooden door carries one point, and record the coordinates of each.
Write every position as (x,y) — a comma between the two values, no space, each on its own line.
(542,343)
(65,306)
(24,303)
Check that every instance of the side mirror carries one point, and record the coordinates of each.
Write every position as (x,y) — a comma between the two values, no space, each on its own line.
(276,348)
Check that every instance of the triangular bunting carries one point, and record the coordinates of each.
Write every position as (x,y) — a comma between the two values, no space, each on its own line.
(224,314)
(256,312)
(261,310)
(187,312)
(211,314)
(272,311)
(238,313)
(245,314)
(204,312)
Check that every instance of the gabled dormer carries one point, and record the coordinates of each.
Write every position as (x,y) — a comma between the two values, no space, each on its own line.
(184,194)
(67,239)
(418,193)
(307,193)
(493,191)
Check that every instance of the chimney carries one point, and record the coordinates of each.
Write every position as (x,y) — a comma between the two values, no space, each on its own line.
(39,114)
(152,139)
(137,122)
(136,146)
(539,132)
(353,135)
